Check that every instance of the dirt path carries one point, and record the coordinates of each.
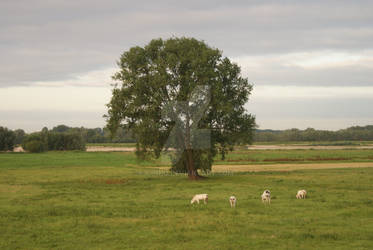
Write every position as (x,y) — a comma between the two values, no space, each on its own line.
(18,149)
(289,147)
(253,147)
(109,149)
(288,167)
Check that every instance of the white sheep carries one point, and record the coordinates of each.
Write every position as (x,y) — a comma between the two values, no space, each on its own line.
(301,194)
(199,197)
(232,201)
(266,196)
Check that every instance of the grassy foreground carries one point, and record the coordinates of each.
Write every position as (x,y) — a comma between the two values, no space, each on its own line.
(78,200)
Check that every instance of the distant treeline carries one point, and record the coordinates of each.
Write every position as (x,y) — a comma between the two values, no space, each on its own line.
(60,137)
(355,133)
(63,137)
(50,140)
(97,135)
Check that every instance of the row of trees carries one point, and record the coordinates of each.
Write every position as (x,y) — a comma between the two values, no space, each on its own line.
(7,139)
(98,135)
(49,140)
(356,133)
(61,137)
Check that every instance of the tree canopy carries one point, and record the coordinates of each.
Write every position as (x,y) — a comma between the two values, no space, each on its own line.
(184,97)
(7,139)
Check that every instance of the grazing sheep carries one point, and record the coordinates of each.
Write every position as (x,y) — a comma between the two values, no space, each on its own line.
(301,194)
(232,201)
(199,197)
(266,196)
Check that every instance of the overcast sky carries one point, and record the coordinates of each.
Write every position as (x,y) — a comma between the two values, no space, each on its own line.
(311,62)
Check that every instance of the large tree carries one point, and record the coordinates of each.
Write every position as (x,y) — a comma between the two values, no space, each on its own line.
(182,96)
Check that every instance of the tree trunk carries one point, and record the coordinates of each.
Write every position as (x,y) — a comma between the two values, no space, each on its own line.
(192,171)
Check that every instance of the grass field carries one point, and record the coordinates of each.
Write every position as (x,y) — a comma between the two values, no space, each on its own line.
(296,156)
(81,200)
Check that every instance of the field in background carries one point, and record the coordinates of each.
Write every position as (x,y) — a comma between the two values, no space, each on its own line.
(270,154)
(82,200)
(116,145)
(318,143)
(303,143)
(296,156)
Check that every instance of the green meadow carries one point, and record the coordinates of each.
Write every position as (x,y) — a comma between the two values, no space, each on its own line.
(318,143)
(296,156)
(83,200)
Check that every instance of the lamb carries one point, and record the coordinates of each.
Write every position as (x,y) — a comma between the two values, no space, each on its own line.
(199,197)
(232,201)
(301,194)
(266,196)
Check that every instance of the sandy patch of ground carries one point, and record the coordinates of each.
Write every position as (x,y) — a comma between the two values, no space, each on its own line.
(109,149)
(288,167)
(18,149)
(253,147)
(274,147)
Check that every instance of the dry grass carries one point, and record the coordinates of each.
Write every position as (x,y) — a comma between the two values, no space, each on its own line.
(289,167)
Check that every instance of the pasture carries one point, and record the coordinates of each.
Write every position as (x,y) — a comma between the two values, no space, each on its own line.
(103,200)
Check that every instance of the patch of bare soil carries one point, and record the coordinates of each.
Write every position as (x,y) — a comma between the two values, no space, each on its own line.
(288,167)
(109,149)
(289,147)
(18,149)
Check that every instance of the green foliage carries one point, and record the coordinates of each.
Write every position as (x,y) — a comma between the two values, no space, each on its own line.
(43,141)
(161,88)
(7,139)
(311,135)
(20,136)
(65,141)
(36,142)
(34,146)
(61,128)
(97,135)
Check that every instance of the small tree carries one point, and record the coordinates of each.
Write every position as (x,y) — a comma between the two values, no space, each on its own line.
(36,142)
(20,136)
(181,94)
(7,139)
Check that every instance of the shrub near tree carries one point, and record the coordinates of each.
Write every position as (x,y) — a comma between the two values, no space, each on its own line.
(7,139)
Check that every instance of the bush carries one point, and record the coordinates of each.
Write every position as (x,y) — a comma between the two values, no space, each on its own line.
(54,141)
(36,142)
(34,146)
(20,136)
(65,141)
(7,139)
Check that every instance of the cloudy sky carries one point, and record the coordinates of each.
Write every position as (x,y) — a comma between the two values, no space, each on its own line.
(311,62)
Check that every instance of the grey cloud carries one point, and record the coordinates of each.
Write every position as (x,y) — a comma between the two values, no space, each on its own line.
(295,76)
(46,41)
(35,120)
(320,108)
